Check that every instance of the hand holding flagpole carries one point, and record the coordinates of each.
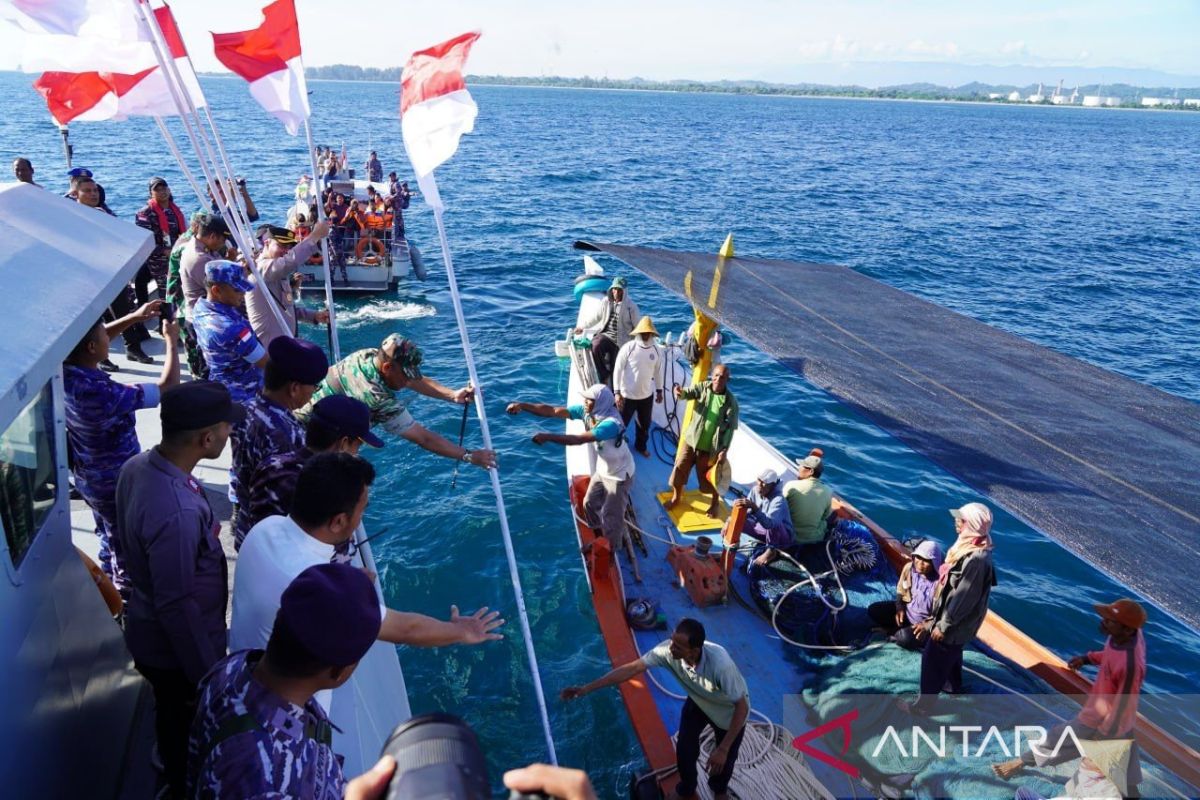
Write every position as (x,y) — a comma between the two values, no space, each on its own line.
(436,111)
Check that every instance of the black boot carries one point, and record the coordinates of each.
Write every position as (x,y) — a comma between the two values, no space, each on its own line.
(109,366)
(134,352)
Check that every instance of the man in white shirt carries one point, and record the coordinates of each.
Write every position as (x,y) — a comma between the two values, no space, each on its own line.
(331,496)
(638,380)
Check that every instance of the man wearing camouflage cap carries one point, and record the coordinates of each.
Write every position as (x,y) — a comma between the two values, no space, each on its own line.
(375,375)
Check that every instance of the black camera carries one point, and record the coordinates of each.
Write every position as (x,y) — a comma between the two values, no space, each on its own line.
(438,758)
(166,311)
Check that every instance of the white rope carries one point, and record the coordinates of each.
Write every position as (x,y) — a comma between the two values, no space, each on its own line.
(456,300)
(776,771)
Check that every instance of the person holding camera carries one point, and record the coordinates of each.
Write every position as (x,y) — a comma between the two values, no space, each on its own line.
(259,730)
(716,696)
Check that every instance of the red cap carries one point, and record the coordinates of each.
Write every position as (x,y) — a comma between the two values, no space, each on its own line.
(1125,611)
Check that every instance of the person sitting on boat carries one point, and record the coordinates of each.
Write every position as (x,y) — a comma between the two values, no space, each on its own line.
(373,168)
(374,375)
(914,597)
(280,259)
(610,328)
(101,428)
(175,618)
(338,424)
(960,604)
(259,730)
(332,492)
(608,492)
(717,697)
(1103,772)
(638,380)
(293,371)
(810,502)
(767,517)
(1110,710)
(706,441)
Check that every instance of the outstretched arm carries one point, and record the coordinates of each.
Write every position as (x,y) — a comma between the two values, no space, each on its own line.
(430,387)
(539,410)
(567,439)
(419,630)
(436,443)
(618,675)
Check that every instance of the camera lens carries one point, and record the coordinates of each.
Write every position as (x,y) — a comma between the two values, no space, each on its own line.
(437,758)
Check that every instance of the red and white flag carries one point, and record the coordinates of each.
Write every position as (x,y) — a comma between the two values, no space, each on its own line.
(81,36)
(46,16)
(269,58)
(435,107)
(94,96)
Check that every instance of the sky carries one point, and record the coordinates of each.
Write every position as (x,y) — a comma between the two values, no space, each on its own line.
(774,40)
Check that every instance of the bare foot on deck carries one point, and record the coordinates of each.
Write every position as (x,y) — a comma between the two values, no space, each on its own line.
(714,509)
(766,558)
(674,501)
(1006,769)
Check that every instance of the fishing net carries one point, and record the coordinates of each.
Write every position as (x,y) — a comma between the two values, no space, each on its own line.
(1087,456)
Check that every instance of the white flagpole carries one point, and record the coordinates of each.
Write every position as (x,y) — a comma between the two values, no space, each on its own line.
(333,336)
(174,148)
(176,87)
(495,475)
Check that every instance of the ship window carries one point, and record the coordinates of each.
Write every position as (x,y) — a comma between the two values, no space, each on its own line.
(28,474)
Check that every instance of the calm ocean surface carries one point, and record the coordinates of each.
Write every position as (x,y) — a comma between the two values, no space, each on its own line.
(1074,228)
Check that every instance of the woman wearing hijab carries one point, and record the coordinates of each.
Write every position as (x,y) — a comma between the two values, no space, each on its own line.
(960,603)
(607,495)
(914,597)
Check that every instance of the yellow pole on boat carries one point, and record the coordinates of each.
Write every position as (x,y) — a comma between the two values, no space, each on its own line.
(705,325)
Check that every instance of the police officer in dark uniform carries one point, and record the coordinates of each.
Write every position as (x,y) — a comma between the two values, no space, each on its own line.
(176,570)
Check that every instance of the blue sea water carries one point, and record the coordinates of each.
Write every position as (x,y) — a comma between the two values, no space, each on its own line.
(1075,228)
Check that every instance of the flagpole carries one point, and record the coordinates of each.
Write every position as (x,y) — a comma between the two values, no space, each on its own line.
(509,552)
(333,337)
(176,87)
(175,151)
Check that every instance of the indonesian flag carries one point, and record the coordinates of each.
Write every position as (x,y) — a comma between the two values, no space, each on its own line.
(81,35)
(269,58)
(95,96)
(435,108)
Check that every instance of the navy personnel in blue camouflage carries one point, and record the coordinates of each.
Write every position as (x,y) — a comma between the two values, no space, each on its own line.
(101,426)
(258,730)
(338,424)
(293,370)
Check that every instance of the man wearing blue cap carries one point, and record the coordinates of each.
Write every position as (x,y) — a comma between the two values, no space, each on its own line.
(338,424)
(259,731)
(234,355)
(177,575)
(293,370)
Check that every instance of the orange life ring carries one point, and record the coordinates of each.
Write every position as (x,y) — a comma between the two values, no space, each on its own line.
(112,598)
(376,247)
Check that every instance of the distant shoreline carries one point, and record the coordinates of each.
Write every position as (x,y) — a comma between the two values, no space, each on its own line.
(891,94)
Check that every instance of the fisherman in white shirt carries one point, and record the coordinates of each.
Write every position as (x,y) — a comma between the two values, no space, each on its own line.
(638,380)
(331,496)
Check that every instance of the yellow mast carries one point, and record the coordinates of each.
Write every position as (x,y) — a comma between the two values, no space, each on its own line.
(705,325)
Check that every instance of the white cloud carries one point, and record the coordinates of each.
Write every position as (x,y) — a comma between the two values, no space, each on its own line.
(919,47)
(1018,48)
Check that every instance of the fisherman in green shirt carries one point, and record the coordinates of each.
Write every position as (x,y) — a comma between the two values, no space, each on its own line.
(810,502)
(706,441)
(716,696)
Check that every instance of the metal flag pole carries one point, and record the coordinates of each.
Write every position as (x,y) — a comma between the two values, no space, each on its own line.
(495,476)
(174,148)
(176,87)
(333,337)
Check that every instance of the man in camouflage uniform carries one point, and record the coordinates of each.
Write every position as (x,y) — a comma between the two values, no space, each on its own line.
(292,373)
(101,428)
(338,424)
(247,740)
(234,355)
(177,293)
(374,375)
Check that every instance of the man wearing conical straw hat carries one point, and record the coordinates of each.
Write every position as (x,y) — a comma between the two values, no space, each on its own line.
(1102,774)
(638,380)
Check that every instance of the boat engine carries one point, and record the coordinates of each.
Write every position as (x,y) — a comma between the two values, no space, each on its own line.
(699,572)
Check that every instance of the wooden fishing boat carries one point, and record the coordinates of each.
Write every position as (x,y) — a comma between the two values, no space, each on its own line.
(647,582)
